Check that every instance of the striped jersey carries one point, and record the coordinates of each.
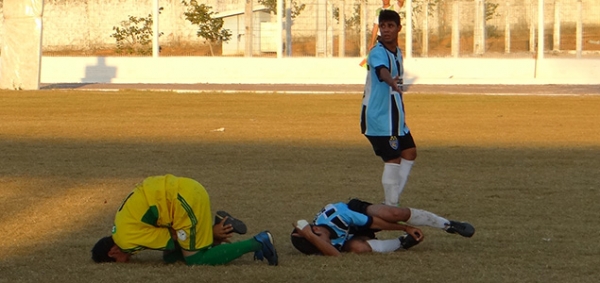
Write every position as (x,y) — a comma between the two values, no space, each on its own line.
(383,109)
(341,220)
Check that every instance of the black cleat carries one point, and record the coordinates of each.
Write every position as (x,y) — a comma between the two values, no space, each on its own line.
(462,228)
(238,226)
(407,241)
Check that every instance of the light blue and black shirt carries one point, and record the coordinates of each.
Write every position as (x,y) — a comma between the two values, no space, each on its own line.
(382,108)
(342,222)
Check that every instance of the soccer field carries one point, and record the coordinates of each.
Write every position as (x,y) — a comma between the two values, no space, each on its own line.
(524,170)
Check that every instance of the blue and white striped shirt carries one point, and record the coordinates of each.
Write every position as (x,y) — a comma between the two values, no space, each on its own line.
(341,219)
(382,108)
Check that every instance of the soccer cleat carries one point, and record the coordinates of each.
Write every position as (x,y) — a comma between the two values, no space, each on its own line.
(407,241)
(237,225)
(462,228)
(268,249)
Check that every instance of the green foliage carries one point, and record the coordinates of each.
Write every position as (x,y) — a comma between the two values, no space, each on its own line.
(352,22)
(135,35)
(209,28)
(490,10)
(272,6)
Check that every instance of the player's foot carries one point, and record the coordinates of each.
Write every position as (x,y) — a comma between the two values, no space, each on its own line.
(268,249)
(237,225)
(462,228)
(407,241)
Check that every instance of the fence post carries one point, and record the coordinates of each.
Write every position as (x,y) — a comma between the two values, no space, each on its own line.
(329,29)
(342,35)
(155,32)
(279,40)
(363,28)
(288,28)
(540,47)
(249,29)
(425,29)
(531,28)
(479,28)
(455,29)
(579,29)
(321,48)
(556,34)
(507,29)
(409,29)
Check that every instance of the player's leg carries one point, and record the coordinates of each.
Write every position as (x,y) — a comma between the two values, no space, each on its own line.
(407,159)
(192,221)
(225,253)
(419,217)
(388,148)
(366,244)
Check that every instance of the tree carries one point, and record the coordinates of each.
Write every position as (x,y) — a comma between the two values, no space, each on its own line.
(272,7)
(209,28)
(135,35)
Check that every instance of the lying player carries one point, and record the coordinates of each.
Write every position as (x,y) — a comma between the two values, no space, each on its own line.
(351,227)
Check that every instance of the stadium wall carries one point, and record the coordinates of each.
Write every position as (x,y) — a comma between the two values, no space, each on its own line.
(309,70)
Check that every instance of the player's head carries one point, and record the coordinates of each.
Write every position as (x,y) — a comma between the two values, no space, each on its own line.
(105,250)
(101,250)
(389,16)
(306,247)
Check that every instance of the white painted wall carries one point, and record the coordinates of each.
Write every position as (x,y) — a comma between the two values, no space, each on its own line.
(236,70)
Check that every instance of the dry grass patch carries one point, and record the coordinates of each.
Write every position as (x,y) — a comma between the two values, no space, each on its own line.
(522,169)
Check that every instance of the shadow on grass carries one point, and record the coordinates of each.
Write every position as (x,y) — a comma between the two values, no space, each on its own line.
(60,196)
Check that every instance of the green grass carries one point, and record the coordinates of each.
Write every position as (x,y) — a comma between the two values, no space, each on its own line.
(522,169)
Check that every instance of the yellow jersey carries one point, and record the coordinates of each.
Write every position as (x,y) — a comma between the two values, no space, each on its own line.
(162,209)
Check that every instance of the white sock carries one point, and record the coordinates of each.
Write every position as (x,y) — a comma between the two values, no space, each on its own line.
(405,166)
(390,179)
(384,246)
(420,217)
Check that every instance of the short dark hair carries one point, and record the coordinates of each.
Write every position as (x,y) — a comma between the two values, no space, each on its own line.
(389,16)
(101,249)
(303,245)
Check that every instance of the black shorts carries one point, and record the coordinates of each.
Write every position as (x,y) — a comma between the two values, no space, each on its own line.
(360,206)
(389,148)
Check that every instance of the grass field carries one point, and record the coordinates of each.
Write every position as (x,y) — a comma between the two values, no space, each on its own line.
(524,170)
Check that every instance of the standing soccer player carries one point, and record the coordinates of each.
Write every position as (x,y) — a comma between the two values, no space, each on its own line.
(383,118)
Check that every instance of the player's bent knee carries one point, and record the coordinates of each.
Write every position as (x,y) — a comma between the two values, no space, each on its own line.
(357,247)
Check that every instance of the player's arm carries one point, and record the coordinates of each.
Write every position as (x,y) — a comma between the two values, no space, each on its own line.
(373,35)
(379,61)
(324,246)
(380,224)
(383,73)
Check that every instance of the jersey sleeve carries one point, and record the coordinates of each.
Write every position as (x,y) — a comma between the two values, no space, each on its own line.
(378,59)
(358,219)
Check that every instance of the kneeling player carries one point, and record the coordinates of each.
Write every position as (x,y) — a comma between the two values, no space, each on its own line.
(173,214)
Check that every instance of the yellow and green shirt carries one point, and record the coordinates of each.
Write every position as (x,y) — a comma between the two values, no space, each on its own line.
(159,205)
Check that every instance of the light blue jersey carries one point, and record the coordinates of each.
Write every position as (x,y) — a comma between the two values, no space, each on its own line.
(382,108)
(341,219)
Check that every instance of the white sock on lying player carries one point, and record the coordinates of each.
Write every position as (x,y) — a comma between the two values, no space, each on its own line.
(420,217)
(384,246)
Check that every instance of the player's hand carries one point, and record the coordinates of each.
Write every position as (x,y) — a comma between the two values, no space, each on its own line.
(397,85)
(221,232)
(303,228)
(415,232)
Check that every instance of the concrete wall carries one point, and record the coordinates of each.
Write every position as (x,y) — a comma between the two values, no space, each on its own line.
(190,70)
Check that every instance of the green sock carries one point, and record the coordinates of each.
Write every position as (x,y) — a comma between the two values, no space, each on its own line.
(223,253)
(173,256)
